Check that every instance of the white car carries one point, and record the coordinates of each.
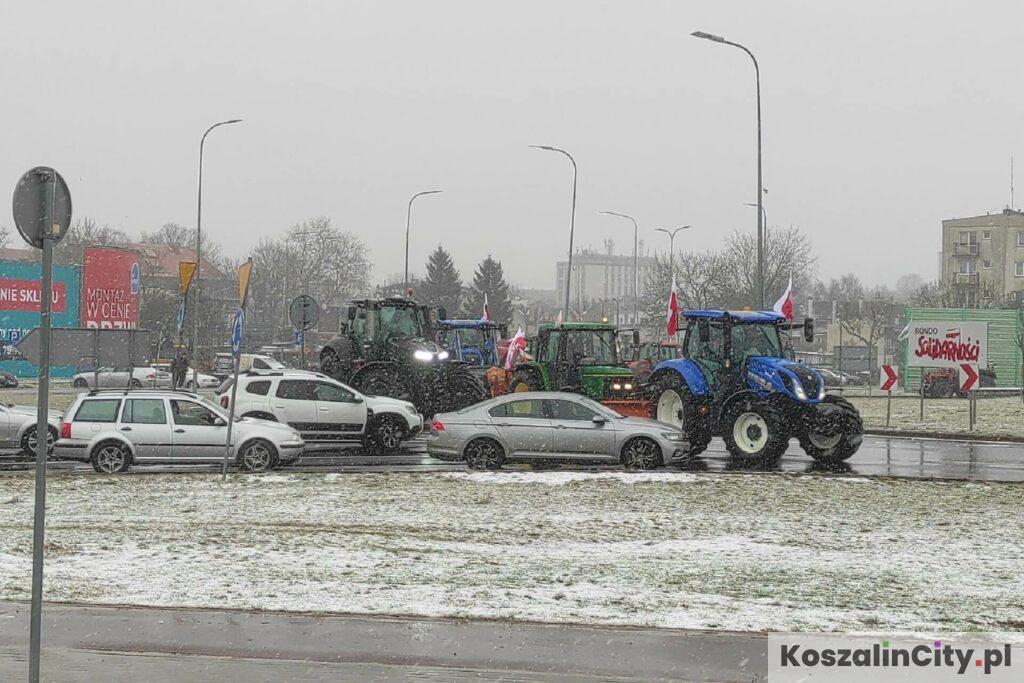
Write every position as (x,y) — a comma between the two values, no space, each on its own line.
(326,412)
(206,381)
(119,378)
(116,429)
(18,428)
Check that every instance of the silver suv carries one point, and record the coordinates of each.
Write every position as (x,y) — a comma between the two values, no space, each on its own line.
(116,429)
(326,412)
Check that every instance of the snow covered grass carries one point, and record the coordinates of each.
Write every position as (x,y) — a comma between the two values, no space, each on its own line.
(1001,417)
(664,549)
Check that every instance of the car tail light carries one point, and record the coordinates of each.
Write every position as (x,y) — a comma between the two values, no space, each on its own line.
(224,401)
(65,430)
(436,426)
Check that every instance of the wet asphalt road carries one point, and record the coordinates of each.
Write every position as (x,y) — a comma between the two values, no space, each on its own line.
(879,456)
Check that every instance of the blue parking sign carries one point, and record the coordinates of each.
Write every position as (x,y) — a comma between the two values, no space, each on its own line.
(236,332)
(136,278)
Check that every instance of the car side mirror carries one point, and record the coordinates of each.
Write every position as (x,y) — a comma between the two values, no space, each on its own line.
(704,331)
(808,330)
(357,399)
(219,422)
(599,420)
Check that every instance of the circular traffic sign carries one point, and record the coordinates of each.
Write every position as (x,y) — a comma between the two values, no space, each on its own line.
(42,206)
(304,312)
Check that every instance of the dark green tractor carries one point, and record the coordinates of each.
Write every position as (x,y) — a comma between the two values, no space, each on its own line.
(384,348)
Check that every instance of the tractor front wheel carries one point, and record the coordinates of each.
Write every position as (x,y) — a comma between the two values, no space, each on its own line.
(384,380)
(754,430)
(841,445)
(674,404)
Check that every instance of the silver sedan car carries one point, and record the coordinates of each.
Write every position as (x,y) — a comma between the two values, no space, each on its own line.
(549,428)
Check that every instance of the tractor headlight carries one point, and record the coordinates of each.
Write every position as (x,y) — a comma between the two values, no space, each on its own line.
(616,387)
(627,386)
(821,392)
(442,355)
(798,389)
(423,355)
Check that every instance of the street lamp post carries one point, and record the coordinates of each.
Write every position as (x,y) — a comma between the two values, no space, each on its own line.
(199,242)
(760,188)
(408,220)
(636,270)
(672,245)
(572,221)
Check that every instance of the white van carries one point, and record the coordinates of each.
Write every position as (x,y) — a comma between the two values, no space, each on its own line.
(223,364)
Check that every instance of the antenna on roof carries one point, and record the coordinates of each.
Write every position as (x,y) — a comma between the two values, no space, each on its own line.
(1011,182)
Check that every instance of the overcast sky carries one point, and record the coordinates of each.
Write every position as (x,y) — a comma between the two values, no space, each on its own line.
(881,119)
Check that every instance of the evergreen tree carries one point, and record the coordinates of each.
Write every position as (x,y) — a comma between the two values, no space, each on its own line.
(443,286)
(489,279)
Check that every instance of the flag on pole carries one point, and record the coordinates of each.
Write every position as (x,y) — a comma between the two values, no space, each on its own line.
(784,306)
(559,319)
(487,310)
(672,324)
(186,269)
(516,345)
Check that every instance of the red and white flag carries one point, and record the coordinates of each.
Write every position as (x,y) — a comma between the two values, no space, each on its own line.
(672,324)
(559,320)
(516,345)
(784,306)
(487,309)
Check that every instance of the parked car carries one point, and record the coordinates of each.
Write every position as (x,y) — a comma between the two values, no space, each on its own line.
(120,378)
(548,428)
(945,382)
(834,379)
(7,380)
(115,429)
(325,411)
(224,364)
(206,381)
(18,428)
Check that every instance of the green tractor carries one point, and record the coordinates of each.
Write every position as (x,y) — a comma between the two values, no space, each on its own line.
(582,358)
(384,348)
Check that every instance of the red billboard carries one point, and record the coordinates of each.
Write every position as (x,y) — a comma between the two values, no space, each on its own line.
(110,288)
(24,295)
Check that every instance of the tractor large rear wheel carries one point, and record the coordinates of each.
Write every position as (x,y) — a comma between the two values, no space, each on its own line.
(384,380)
(675,405)
(754,430)
(462,390)
(842,444)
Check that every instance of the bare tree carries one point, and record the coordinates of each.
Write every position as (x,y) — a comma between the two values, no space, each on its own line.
(787,252)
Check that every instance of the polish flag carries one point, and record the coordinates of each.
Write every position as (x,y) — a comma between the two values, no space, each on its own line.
(487,310)
(784,306)
(672,324)
(516,345)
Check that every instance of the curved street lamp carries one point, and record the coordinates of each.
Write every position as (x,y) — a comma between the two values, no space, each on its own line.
(760,189)
(408,220)
(199,238)
(572,220)
(636,270)
(672,245)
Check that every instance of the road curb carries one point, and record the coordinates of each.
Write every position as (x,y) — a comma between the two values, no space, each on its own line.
(944,436)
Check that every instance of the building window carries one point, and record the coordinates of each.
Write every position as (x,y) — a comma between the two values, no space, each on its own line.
(968,266)
(986,234)
(968,237)
(986,264)
(1019,270)
(1020,238)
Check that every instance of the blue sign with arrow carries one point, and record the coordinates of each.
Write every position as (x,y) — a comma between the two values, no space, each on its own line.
(136,278)
(181,314)
(236,332)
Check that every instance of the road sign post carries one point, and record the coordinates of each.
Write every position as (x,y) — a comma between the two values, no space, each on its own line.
(968,375)
(237,331)
(887,379)
(42,213)
(304,314)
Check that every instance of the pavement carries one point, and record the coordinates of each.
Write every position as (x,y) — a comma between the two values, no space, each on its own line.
(879,456)
(119,643)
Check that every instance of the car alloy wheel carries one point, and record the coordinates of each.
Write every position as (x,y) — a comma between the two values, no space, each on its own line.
(483,454)
(641,454)
(389,434)
(30,443)
(257,456)
(111,458)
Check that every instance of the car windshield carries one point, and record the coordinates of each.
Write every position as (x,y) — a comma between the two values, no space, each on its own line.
(591,347)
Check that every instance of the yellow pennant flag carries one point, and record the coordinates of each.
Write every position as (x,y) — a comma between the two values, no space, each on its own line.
(186,269)
(244,271)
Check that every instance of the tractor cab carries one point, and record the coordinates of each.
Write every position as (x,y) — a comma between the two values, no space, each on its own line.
(476,342)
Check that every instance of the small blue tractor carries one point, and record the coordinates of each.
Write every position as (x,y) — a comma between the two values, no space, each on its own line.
(737,379)
(475,342)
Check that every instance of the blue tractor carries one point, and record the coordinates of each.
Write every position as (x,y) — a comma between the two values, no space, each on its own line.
(475,342)
(737,379)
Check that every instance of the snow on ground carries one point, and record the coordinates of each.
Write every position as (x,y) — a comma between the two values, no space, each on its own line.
(661,549)
(997,418)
